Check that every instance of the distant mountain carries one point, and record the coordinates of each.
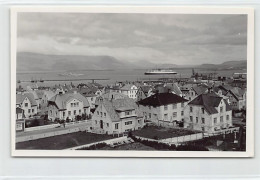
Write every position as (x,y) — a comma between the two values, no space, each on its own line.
(226,65)
(40,62)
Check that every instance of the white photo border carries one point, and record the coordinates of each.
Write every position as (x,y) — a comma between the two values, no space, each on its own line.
(147,10)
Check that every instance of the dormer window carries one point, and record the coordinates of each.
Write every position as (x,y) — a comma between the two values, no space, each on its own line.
(203,110)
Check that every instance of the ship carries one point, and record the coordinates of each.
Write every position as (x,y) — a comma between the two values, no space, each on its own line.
(160,72)
(70,74)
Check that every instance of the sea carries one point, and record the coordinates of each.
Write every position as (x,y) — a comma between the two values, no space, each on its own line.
(50,78)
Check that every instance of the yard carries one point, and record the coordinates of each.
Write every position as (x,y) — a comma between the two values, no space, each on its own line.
(155,132)
(62,141)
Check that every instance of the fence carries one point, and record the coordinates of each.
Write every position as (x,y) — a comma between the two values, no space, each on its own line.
(108,142)
(181,139)
(49,134)
(36,128)
(191,137)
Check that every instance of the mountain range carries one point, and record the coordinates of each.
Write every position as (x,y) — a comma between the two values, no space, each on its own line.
(40,62)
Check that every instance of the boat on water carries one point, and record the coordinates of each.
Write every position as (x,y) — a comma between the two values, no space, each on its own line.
(160,72)
(70,74)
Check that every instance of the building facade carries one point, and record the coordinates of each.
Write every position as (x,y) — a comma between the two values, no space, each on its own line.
(163,109)
(208,113)
(117,116)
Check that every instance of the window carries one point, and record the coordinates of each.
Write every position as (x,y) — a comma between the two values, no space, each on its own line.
(74,112)
(174,106)
(91,99)
(203,129)
(165,116)
(97,112)
(221,118)
(127,113)
(191,118)
(63,113)
(165,107)
(150,115)
(69,113)
(215,120)
(79,111)
(101,114)
(29,110)
(105,114)
(71,104)
(107,124)
(26,104)
(197,120)
(174,114)
(32,110)
(96,121)
(221,109)
(227,117)
(85,110)
(190,109)
(116,126)
(128,122)
(203,110)
(182,104)
(203,120)
(182,113)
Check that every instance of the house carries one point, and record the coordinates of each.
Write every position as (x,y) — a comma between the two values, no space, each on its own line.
(236,96)
(164,109)
(144,92)
(19,113)
(91,93)
(27,103)
(208,113)
(130,90)
(47,95)
(117,116)
(67,106)
(192,91)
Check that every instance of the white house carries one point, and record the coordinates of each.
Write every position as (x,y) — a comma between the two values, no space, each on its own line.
(130,90)
(27,103)
(67,106)
(117,116)
(164,109)
(208,112)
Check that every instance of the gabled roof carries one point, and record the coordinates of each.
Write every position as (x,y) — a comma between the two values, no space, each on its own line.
(145,89)
(209,101)
(174,88)
(160,99)
(199,89)
(117,105)
(20,98)
(127,87)
(60,100)
(39,93)
(49,94)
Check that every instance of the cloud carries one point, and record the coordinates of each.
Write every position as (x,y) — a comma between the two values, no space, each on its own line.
(184,39)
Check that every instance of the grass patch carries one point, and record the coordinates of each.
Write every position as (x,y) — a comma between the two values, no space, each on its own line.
(63,141)
(136,146)
(155,132)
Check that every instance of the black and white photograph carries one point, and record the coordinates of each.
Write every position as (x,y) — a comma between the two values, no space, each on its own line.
(132,82)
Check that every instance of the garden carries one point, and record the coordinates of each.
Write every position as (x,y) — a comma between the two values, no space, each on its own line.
(157,133)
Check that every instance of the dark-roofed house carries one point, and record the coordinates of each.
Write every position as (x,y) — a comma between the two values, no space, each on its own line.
(144,92)
(27,103)
(67,106)
(117,116)
(208,112)
(165,109)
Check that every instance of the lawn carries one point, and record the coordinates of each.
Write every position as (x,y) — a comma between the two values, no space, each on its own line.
(155,132)
(136,146)
(62,141)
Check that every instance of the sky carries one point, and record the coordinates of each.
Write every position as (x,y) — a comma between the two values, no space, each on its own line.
(182,39)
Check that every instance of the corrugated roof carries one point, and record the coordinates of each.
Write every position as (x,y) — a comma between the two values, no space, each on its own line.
(160,99)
